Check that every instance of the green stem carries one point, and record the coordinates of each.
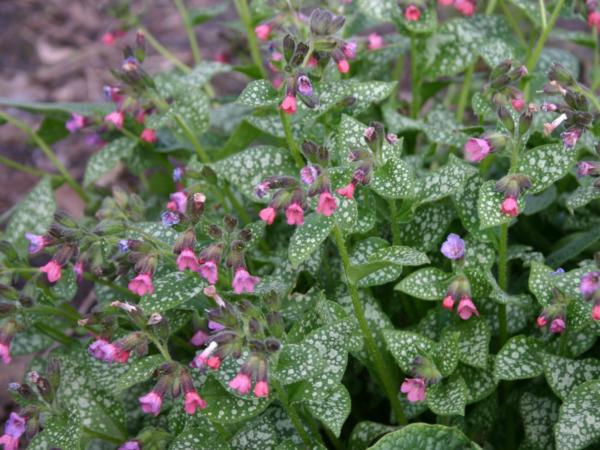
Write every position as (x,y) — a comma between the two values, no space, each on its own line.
(394,222)
(285,121)
(371,346)
(54,334)
(23,168)
(48,152)
(543,14)
(124,291)
(292,414)
(596,62)
(189,134)
(503,281)
(161,348)
(533,58)
(165,52)
(189,29)
(510,18)
(490,7)
(244,12)
(308,54)
(236,205)
(590,96)
(415,79)
(464,93)
(396,76)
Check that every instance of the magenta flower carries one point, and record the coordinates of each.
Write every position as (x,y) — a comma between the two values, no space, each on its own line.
(201,359)
(36,242)
(199,338)
(148,135)
(214,362)
(241,383)
(53,271)
(476,149)
(415,388)
(343,66)
(542,321)
(448,302)
(466,308)
(412,13)
(268,215)
(13,430)
(263,31)
(347,191)
(294,214)
(261,189)
(453,247)
(117,118)
(187,260)
(570,137)
(151,403)
(180,199)
(585,168)
(327,204)
(261,389)
(557,326)
(130,445)
(349,48)
(192,401)
(375,41)
(78,269)
(288,105)
(215,326)
(75,123)
(465,7)
(101,349)
(209,271)
(5,352)
(518,103)
(243,281)
(589,284)
(594,19)
(142,284)
(510,207)
(308,174)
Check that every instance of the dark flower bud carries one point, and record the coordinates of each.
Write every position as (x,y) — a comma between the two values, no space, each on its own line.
(238,246)
(513,185)
(245,235)
(255,346)
(289,45)
(272,345)
(576,101)
(506,119)
(324,23)
(525,122)
(501,69)
(230,222)
(254,326)
(309,149)
(561,75)
(215,232)
(374,136)
(299,54)
(500,82)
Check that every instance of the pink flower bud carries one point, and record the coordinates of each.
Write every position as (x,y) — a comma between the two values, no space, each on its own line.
(448,303)
(412,13)
(244,282)
(241,383)
(343,66)
(375,41)
(294,214)
(465,7)
(550,127)
(557,326)
(5,352)
(518,103)
(466,308)
(108,38)
(267,215)
(187,260)
(594,20)
(327,204)
(288,105)
(261,389)
(263,31)
(542,321)
(476,149)
(75,123)
(596,312)
(349,49)
(347,191)
(151,403)
(142,284)
(415,388)
(53,271)
(214,362)
(510,207)
(148,135)
(116,118)
(209,271)
(589,284)
(192,401)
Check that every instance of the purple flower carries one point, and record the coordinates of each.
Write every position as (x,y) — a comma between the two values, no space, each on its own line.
(570,137)
(309,174)
(476,149)
(589,284)
(453,247)
(558,271)
(305,86)
(261,189)
(36,242)
(557,325)
(130,445)
(151,403)
(75,123)
(15,425)
(585,168)
(169,218)
(177,174)
(124,245)
(215,326)
(180,200)
(415,388)
(243,281)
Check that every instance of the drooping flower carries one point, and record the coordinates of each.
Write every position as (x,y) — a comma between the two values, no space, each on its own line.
(453,247)
(142,284)
(53,270)
(550,127)
(261,389)
(596,312)
(180,199)
(349,49)
(116,118)
(557,326)
(414,388)
(476,149)
(347,191)
(510,207)
(375,41)
(594,20)
(465,7)
(242,383)
(542,321)
(215,326)
(151,403)
(289,105)
(169,218)
(263,31)
(570,137)
(5,352)
(327,204)
(130,445)
(192,401)
(518,103)
(201,359)
(585,168)
(589,284)
(36,242)
(243,281)
(308,174)
(75,123)
(148,135)
(199,338)
(261,189)
(294,214)
(305,86)
(343,66)
(108,38)
(13,430)
(466,308)
(209,271)
(412,13)
(79,269)
(391,138)
(448,302)
(187,260)
(99,349)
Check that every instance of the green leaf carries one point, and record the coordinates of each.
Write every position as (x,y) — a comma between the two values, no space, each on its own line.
(258,93)
(445,181)
(578,419)
(191,106)
(473,345)
(448,397)
(105,159)
(564,374)
(544,165)
(297,363)
(171,291)
(573,245)
(138,372)
(248,168)
(427,227)
(582,196)
(488,207)
(34,213)
(405,346)
(520,358)
(481,382)
(482,107)
(382,10)
(201,15)
(59,432)
(429,283)
(332,410)
(29,341)
(259,433)
(226,408)
(197,437)
(445,355)
(395,179)
(364,433)
(539,413)
(308,237)
(401,255)
(421,436)
(155,230)
(465,201)
(368,272)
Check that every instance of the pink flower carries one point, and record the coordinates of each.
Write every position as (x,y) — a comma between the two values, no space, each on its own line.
(476,149)
(343,66)
(570,137)
(108,38)
(308,174)
(312,62)
(148,135)
(327,204)
(542,321)
(294,214)
(550,127)
(116,118)
(288,105)
(465,7)
(412,13)
(453,247)
(596,312)
(594,19)
(557,326)
(466,308)
(200,360)
(211,292)
(199,338)
(151,403)
(101,349)
(142,284)
(187,260)
(347,191)
(263,31)
(349,49)
(53,270)
(241,383)
(13,430)
(518,103)
(214,362)
(5,352)
(267,215)
(9,442)
(445,2)
(261,389)
(75,123)
(78,269)
(448,302)
(130,445)
(510,207)
(193,401)
(415,388)
(209,271)
(243,281)
(584,168)
(375,41)
(589,284)
(180,200)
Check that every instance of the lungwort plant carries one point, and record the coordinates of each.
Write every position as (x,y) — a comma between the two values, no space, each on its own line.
(388,239)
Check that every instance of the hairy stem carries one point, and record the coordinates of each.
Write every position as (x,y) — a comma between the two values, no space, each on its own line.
(535,55)
(189,29)
(380,367)
(244,12)
(287,128)
(394,222)
(292,414)
(165,52)
(415,78)
(464,93)
(503,281)
(189,134)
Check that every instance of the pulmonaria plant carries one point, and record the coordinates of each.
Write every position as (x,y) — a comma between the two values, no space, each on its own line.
(389,236)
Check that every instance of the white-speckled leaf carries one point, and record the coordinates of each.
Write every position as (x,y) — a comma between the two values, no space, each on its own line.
(105,159)
(545,164)
(473,346)
(422,436)
(382,10)
(260,433)
(520,358)
(368,272)
(445,355)
(480,382)
(564,374)
(405,346)
(442,128)
(465,201)
(59,432)
(334,409)
(445,181)
(401,255)
(153,230)
(582,196)
(427,227)
(488,206)
(478,255)
(258,93)
(429,283)
(448,397)
(171,291)
(346,214)
(395,179)
(579,418)
(225,407)
(539,413)
(298,362)
(308,237)
(138,372)
(248,168)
